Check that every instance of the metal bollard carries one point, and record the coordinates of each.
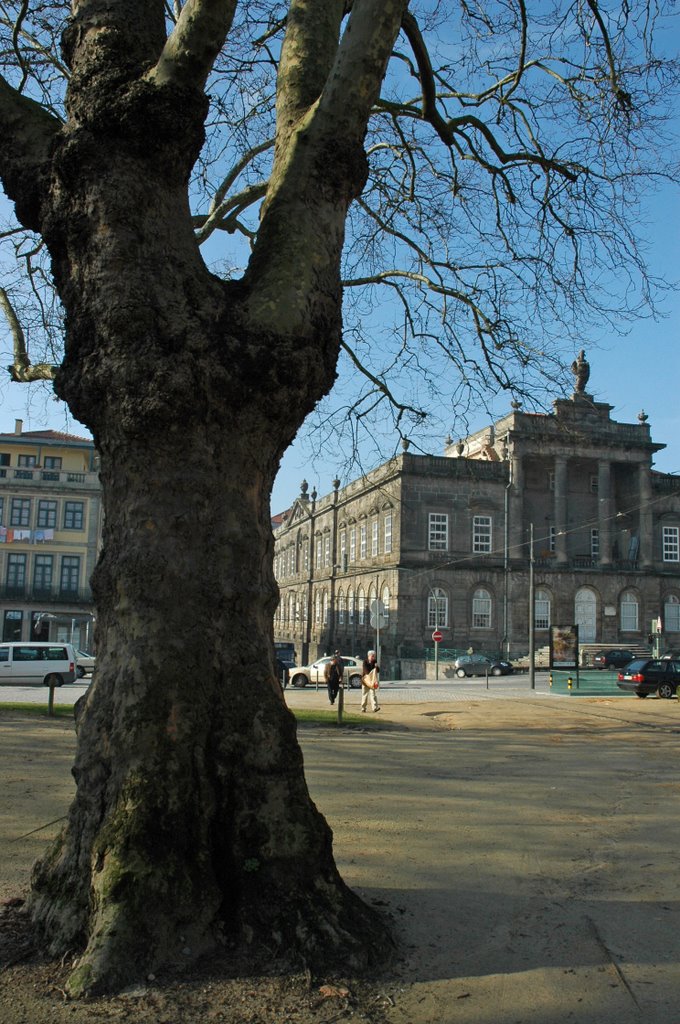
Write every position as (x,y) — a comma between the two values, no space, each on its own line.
(569,683)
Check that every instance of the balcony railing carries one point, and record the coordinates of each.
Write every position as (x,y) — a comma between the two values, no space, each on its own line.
(54,595)
(39,476)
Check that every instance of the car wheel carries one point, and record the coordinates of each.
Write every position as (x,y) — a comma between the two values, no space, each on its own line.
(666,690)
(299,680)
(80,672)
(354,682)
(638,694)
(460,672)
(496,671)
(54,679)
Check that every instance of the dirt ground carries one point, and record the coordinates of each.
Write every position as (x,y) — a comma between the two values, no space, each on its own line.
(525,851)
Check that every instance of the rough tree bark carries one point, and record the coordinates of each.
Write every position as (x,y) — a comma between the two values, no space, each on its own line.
(192,822)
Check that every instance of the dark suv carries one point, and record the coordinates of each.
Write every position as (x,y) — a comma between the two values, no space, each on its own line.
(614,657)
(650,675)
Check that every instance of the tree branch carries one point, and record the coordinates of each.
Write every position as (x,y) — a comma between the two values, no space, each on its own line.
(198,36)
(21,369)
(28,132)
(381,386)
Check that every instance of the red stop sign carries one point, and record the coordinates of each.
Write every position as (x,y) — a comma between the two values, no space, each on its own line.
(437,636)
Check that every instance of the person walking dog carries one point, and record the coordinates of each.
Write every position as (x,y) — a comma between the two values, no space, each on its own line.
(369,682)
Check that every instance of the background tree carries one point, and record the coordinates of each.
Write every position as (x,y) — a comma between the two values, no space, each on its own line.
(490,151)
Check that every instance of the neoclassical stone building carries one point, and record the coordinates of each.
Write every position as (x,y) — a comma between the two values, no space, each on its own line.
(446,542)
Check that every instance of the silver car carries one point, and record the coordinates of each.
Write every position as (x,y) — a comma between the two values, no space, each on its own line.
(314,673)
(85,663)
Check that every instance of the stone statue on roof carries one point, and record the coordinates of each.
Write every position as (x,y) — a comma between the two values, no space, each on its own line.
(581,370)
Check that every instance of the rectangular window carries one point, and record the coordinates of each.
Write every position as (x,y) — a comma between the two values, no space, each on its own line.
(362,541)
(319,552)
(26,460)
(70,573)
(481,534)
(481,611)
(629,614)
(73,515)
(542,611)
(21,512)
(438,531)
(343,550)
(327,550)
(594,484)
(353,544)
(387,534)
(42,574)
(551,540)
(374,537)
(551,479)
(16,573)
(47,513)
(671,543)
(594,543)
(52,462)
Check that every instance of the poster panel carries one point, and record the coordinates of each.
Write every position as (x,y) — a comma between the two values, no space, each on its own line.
(564,647)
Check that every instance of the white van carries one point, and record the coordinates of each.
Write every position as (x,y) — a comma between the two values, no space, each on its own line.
(37,664)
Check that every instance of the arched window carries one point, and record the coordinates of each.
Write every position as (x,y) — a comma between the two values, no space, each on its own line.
(671,614)
(481,609)
(629,612)
(437,608)
(317,608)
(386,603)
(325,608)
(291,608)
(542,610)
(341,609)
(362,606)
(350,606)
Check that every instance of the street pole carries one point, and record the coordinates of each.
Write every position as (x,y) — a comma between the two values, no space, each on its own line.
(532,671)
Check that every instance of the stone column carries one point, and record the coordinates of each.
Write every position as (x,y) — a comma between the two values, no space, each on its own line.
(516,537)
(604,507)
(646,553)
(560,509)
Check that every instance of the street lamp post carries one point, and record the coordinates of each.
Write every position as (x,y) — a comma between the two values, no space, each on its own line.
(532,671)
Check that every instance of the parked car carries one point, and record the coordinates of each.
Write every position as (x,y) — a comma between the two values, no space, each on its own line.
(480,665)
(306,674)
(85,663)
(614,657)
(650,675)
(37,663)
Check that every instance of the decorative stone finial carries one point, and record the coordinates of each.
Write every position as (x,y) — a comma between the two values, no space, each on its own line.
(304,487)
(448,440)
(460,447)
(405,443)
(515,404)
(336,484)
(642,416)
(581,370)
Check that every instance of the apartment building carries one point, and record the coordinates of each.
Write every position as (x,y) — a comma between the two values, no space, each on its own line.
(568,501)
(50,530)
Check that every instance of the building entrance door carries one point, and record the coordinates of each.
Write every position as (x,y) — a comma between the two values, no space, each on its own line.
(585,616)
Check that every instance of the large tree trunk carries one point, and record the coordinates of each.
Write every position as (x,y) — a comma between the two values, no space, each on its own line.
(192,821)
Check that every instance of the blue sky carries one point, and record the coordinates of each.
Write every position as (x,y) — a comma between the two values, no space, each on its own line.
(635,371)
